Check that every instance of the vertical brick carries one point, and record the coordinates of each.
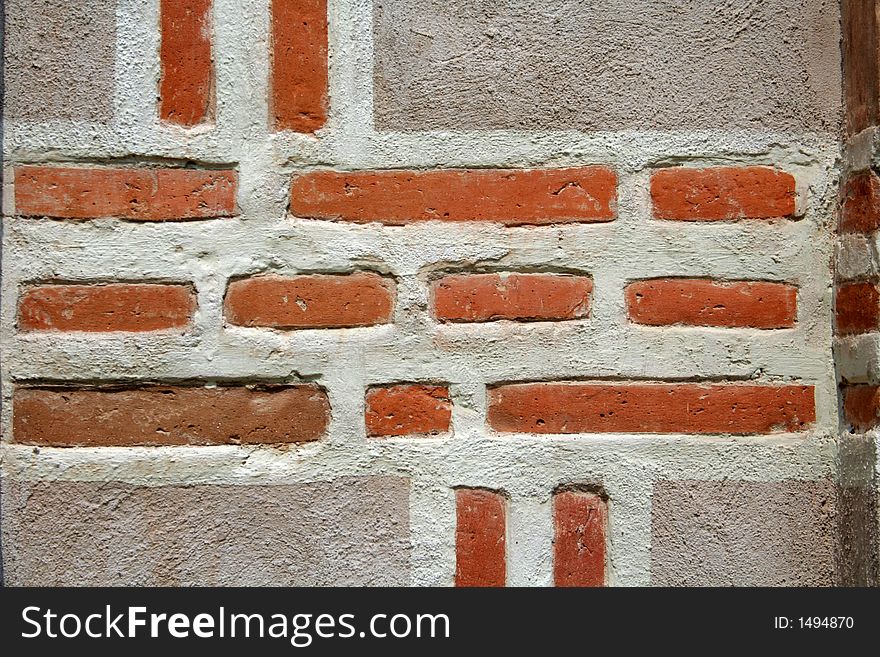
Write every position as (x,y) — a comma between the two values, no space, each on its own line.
(299,77)
(311,301)
(138,193)
(861,57)
(523,297)
(857,308)
(579,527)
(861,406)
(700,302)
(722,193)
(861,203)
(103,308)
(186,89)
(509,196)
(480,538)
(407,409)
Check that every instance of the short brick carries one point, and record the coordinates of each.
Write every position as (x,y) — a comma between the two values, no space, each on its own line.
(137,193)
(105,308)
(861,204)
(311,301)
(857,308)
(861,406)
(572,407)
(579,524)
(507,196)
(524,297)
(186,89)
(700,302)
(721,193)
(480,538)
(169,415)
(299,80)
(405,410)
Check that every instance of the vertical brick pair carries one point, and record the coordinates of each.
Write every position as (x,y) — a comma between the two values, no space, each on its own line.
(579,525)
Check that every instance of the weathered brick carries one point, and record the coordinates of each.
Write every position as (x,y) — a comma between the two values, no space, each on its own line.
(857,308)
(579,524)
(721,193)
(861,406)
(169,415)
(104,308)
(407,409)
(299,80)
(311,301)
(137,193)
(480,538)
(488,297)
(861,204)
(571,407)
(508,196)
(700,302)
(186,88)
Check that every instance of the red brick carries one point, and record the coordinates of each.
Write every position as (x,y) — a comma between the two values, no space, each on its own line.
(488,297)
(186,89)
(311,301)
(299,66)
(103,308)
(508,196)
(579,524)
(700,302)
(565,407)
(861,56)
(136,193)
(721,193)
(404,410)
(857,308)
(861,406)
(169,415)
(861,204)
(480,538)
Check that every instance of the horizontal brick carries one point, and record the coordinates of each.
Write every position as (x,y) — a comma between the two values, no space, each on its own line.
(299,65)
(104,308)
(403,410)
(861,204)
(480,538)
(488,297)
(558,408)
(579,524)
(721,193)
(186,88)
(137,193)
(700,302)
(857,308)
(169,415)
(861,406)
(507,196)
(311,301)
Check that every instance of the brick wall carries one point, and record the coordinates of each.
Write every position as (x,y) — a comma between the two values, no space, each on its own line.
(490,348)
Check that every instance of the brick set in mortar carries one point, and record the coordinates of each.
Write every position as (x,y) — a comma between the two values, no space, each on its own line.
(254,277)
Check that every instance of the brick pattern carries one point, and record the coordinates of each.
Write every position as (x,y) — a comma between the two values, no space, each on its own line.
(407,410)
(580,522)
(858,307)
(480,538)
(186,88)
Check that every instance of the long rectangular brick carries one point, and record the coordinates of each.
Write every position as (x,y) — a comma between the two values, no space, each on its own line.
(311,301)
(701,302)
(579,524)
(186,88)
(857,307)
(143,194)
(722,193)
(104,308)
(861,406)
(299,65)
(574,407)
(480,538)
(524,297)
(861,203)
(169,415)
(407,409)
(508,196)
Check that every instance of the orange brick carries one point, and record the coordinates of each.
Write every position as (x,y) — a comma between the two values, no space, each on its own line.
(406,409)
(186,89)
(480,538)
(579,524)
(857,308)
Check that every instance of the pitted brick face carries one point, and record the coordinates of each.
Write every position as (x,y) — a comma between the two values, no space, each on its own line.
(861,203)
(580,523)
(186,90)
(480,538)
(858,307)
(408,410)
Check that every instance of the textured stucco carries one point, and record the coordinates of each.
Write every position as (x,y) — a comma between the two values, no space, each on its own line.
(740,533)
(59,59)
(350,531)
(606,65)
